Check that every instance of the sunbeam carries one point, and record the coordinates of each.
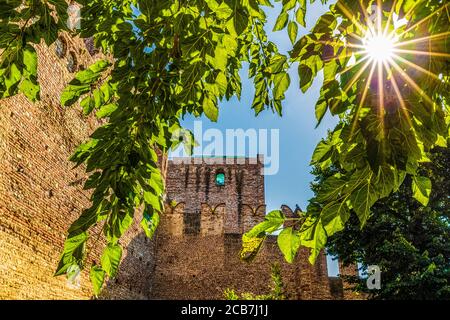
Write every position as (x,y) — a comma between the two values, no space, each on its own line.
(410,81)
(363,99)
(415,66)
(422,53)
(417,40)
(423,20)
(380,108)
(383,46)
(403,107)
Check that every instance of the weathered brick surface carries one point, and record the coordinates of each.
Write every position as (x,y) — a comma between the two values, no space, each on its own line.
(347,293)
(198,242)
(40,193)
(196,267)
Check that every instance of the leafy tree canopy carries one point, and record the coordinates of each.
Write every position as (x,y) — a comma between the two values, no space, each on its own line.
(392,114)
(170,58)
(408,241)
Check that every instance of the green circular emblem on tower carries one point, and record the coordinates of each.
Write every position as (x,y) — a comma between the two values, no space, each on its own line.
(220,179)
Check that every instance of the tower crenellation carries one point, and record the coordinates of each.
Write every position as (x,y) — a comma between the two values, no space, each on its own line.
(212,186)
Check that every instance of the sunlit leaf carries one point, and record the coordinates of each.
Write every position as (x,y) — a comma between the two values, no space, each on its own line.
(421,188)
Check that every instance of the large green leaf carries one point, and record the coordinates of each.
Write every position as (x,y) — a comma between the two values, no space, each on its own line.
(313,235)
(111,259)
(30,88)
(223,11)
(82,82)
(73,252)
(106,110)
(281,82)
(334,216)
(30,60)
(87,104)
(91,74)
(306,77)
(210,109)
(292,31)
(152,200)
(362,199)
(253,239)
(272,222)
(240,20)
(321,152)
(332,188)
(321,110)
(12,78)
(87,219)
(150,222)
(277,63)
(72,93)
(281,22)
(421,188)
(301,13)
(118,222)
(289,243)
(251,245)
(97,276)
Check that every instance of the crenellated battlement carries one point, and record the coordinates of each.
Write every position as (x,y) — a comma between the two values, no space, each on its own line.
(224,194)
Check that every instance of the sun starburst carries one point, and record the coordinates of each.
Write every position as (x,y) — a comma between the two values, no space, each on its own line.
(378,47)
(385,45)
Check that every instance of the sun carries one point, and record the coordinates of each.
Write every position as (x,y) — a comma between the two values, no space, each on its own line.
(383,50)
(379,47)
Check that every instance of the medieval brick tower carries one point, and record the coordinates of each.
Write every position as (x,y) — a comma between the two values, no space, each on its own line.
(211,203)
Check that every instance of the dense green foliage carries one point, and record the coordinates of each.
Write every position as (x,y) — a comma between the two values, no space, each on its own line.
(409,242)
(378,142)
(170,58)
(276,289)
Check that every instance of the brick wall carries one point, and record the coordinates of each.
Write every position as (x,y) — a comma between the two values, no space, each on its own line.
(347,293)
(199,239)
(41,195)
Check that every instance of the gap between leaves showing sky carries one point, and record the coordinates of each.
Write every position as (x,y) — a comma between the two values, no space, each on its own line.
(298,135)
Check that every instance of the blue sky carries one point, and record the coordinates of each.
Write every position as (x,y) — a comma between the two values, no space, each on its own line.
(298,135)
